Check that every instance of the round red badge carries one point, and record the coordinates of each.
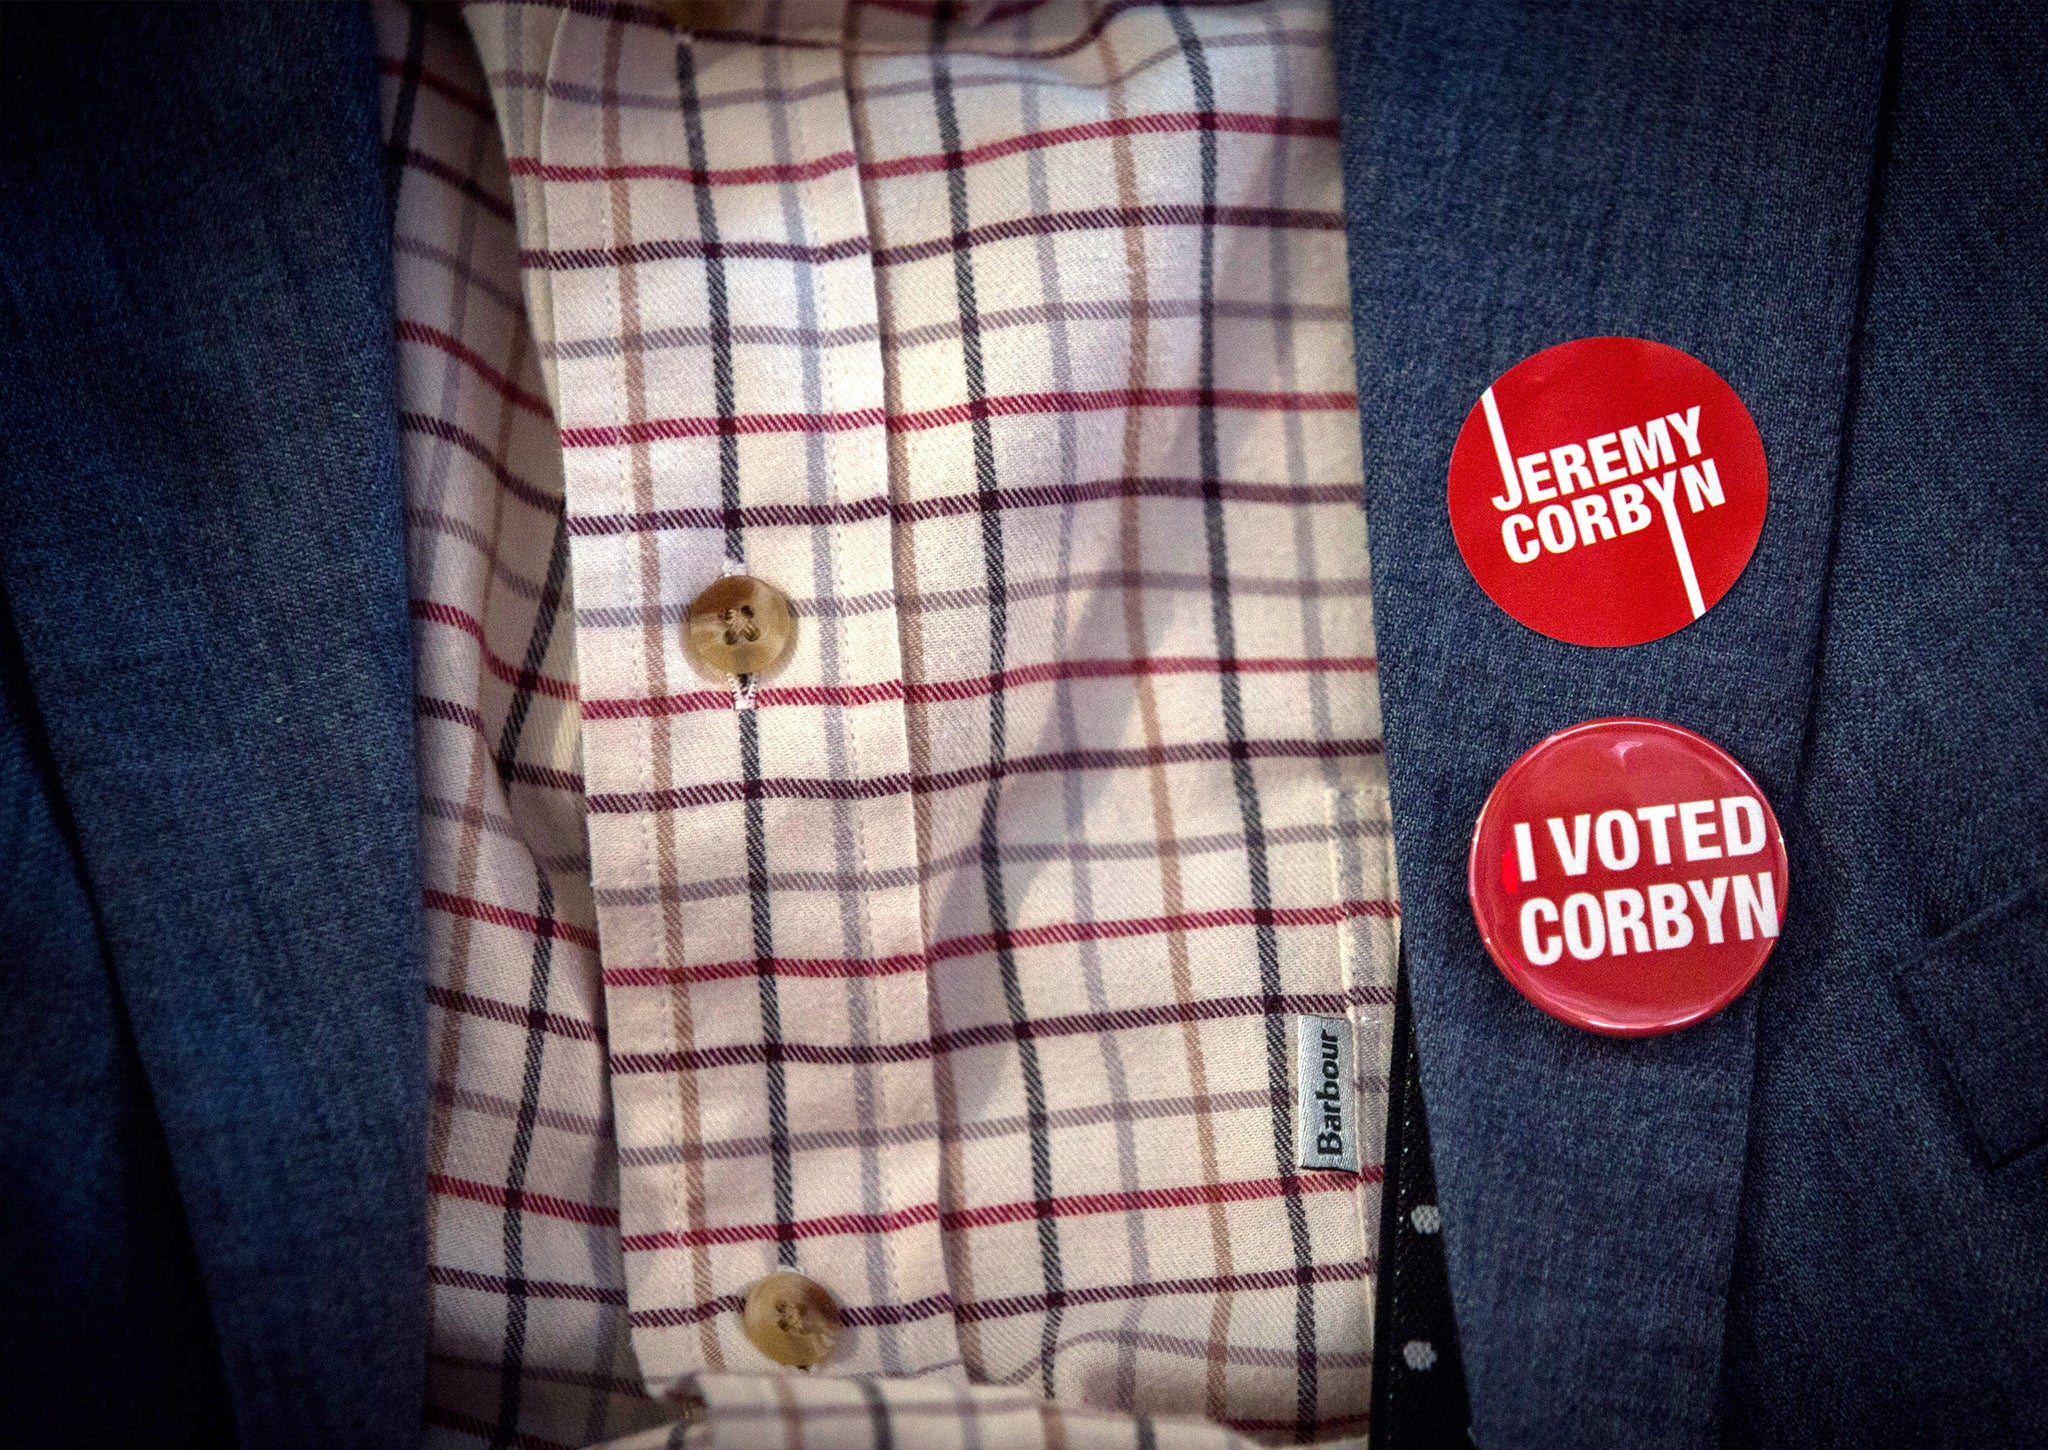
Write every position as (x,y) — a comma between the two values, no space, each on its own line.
(1628,877)
(1608,491)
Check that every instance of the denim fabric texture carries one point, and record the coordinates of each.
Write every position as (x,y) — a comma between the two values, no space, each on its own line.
(1891,1271)
(200,546)
(92,1234)
(1519,175)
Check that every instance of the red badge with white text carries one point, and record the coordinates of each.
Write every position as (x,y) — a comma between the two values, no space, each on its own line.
(1628,877)
(1608,491)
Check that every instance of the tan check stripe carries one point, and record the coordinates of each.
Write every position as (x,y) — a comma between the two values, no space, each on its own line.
(952,964)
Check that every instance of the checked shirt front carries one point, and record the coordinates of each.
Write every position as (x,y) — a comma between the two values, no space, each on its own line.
(953,963)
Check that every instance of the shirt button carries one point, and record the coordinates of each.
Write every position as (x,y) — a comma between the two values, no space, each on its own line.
(739,626)
(791,1320)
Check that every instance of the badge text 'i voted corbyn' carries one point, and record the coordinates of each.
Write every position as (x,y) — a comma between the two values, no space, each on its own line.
(1628,877)
(1608,491)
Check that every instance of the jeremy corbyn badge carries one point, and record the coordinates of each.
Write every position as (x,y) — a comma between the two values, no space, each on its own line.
(1608,491)
(1628,877)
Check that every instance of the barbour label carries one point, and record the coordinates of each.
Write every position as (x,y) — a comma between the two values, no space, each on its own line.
(1325,1105)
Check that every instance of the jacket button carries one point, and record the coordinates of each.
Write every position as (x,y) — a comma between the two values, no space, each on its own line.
(791,1320)
(1636,839)
(739,626)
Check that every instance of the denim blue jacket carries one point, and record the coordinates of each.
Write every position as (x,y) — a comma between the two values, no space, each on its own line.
(1820,1218)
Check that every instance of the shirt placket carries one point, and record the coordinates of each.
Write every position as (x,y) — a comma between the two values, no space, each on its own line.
(721,407)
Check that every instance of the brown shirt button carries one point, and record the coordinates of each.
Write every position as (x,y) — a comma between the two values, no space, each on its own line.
(791,1320)
(739,626)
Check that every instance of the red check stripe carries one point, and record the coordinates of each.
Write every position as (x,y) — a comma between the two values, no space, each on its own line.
(420,332)
(505,916)
(496,1196)
(864,1315)
(504,669)
(1110,218)
(476,105)
(765,697)
(803,1228)
(1164,123)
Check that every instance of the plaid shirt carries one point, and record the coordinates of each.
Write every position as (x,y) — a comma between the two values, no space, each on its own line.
(951,964)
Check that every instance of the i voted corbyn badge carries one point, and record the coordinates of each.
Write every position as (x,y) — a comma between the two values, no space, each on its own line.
(1608,491)
(1628,877)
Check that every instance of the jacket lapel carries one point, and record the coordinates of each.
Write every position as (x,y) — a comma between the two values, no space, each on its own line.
(1518,176)
(201,538)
